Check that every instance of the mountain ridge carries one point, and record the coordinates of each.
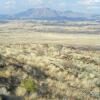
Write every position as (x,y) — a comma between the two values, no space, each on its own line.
(50,14)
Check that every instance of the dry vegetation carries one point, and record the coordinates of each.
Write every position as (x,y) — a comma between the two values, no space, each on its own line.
(49,70)
(73,33)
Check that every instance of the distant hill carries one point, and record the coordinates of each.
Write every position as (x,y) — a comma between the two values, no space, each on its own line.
(49,14)
(40,13)
(3,17)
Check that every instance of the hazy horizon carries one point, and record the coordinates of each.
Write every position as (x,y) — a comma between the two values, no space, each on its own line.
(83,6)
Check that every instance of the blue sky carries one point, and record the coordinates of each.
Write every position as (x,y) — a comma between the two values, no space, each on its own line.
(14,6)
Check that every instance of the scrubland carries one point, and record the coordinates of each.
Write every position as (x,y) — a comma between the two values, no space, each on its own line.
(47,66)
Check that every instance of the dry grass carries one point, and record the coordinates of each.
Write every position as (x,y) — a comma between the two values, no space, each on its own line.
(63,66)
(70,74)
(71,33)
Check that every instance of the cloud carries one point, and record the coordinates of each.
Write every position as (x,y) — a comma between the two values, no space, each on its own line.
(35,2)
(89,2)
(89,5)
(9,4)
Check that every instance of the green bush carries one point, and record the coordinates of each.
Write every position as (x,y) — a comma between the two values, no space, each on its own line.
(29,85)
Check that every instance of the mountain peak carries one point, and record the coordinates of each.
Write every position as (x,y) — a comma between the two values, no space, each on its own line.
(50,14)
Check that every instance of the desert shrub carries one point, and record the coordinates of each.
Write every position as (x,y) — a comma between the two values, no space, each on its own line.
(97,83)
(40,52)
(59,48)
(29,85)
(67,57)
(95,94)
(2,62)
(46,45)
(88,60)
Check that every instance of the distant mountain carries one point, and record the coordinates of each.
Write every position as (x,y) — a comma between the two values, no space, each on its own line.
(38,13)
(49,14)
(3,17)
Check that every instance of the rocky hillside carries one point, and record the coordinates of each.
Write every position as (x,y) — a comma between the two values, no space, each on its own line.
(49,72)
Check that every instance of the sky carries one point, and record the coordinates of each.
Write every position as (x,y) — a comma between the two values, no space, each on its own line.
(15,6)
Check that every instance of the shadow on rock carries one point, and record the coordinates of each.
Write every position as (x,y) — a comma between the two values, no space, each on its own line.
(9,83)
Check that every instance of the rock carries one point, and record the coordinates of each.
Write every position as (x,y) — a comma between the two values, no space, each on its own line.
(3,91)
(20,91)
